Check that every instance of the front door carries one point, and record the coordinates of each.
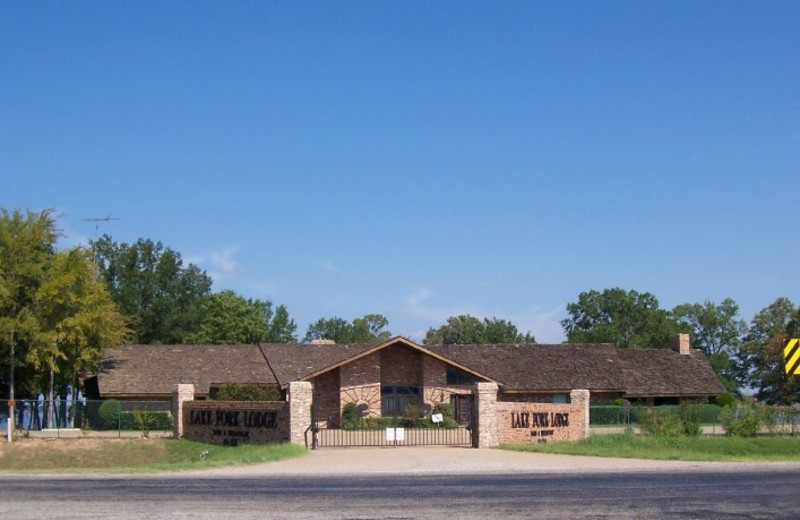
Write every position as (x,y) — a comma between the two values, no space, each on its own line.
(462,409)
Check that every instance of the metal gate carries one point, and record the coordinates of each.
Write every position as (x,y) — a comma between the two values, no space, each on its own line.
(391,436)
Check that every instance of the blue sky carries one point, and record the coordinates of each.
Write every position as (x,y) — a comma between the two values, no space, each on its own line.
(419,159)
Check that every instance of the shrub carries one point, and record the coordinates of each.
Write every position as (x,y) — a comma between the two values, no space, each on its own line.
(446,409)
(741,421)
(236,392)
(690,419)
(351,417)
(661,423)
(109,414)
(725,400)
(145,421)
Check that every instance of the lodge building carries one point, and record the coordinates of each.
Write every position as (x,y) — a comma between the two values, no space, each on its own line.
(384,379)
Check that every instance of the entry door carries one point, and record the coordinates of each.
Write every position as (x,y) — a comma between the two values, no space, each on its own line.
(462,409)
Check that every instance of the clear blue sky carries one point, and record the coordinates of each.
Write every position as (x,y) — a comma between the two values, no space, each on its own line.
(420,159)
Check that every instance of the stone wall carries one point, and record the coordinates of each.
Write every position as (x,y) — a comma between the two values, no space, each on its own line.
(519,422)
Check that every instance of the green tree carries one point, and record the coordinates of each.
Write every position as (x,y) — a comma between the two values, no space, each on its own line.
(160,296)
(716,330)
(628,319)
(761,356)
(230,318)
(78,320)
(466,330)
(371,329)
(27,242)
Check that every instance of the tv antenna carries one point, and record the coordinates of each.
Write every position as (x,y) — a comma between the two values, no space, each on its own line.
(107,220)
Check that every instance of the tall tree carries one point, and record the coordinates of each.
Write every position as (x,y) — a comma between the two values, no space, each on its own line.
(229,318)
(628,319)
(371,329)
(78,320)
(761,356)
(27,241)
(717,331)
(466,329)
(153,288)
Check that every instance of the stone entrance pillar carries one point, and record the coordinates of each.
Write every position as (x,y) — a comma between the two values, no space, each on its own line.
(180,394)
(580,398)
(299,396)
(484,416)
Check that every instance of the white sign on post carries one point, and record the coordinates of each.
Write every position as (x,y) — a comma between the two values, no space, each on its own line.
(395,434)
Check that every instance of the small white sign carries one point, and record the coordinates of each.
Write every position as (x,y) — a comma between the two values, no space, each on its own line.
(395,434)
(437,418)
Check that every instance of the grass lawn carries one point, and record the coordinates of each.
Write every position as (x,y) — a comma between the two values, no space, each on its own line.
(711,448)
(133,455)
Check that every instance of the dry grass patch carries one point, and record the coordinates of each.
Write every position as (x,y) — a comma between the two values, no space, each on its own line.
(132,455)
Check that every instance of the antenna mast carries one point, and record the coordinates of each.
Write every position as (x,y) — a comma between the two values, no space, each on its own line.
(107,219)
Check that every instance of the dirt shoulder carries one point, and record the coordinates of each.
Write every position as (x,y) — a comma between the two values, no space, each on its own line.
(417,460)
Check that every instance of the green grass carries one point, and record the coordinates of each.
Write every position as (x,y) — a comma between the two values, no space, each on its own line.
(713,448)
(138,456)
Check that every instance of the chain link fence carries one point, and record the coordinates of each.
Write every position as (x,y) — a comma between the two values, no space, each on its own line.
(614,419)
(108,418)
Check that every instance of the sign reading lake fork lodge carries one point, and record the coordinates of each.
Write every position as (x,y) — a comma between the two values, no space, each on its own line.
(542,425)
(232,423)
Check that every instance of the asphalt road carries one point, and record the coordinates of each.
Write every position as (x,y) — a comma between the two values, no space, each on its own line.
(769,494)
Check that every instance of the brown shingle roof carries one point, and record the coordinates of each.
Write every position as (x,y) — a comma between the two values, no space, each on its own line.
(542,367)
(153,370)
(293,362)
(664,372)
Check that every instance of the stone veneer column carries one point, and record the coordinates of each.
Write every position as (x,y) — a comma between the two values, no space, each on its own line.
(180,394)
(580,398)
(484,413)
(299,396)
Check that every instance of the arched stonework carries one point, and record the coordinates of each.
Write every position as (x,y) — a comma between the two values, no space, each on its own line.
(435,396)
(368,396)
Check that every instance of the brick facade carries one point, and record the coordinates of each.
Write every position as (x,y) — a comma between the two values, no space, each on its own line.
(400,365)
(361,384)
(327,399)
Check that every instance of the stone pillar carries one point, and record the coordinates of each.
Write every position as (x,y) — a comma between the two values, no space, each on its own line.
(299,396)
(580,399)
(180,394)
(484,416)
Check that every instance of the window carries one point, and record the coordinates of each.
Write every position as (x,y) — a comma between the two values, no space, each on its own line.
(459,377)
(396,398)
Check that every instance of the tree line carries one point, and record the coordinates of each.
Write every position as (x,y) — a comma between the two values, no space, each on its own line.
(59,309)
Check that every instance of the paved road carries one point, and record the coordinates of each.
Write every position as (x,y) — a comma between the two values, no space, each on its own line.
(751,494)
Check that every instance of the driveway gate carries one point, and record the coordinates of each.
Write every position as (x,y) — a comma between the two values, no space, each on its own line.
(391,436)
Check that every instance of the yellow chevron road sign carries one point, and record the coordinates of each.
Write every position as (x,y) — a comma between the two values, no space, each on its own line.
(791,356)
